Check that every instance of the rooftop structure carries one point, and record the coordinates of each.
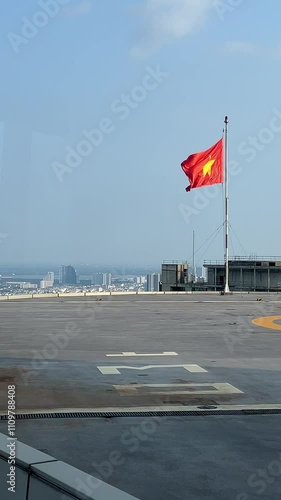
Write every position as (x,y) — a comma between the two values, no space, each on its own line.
(259,274)
(174,276)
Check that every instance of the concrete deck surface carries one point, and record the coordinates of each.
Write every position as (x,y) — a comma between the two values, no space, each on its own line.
(202,350)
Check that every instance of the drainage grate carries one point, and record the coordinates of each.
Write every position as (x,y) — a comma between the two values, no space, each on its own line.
(187,413)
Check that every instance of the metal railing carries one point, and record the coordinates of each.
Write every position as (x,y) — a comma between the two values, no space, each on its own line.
(185,262)
(250,258)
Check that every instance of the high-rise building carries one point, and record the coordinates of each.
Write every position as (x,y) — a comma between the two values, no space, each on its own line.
(48,280)
(67,275)
(106,279)
(152,282)
(102,279)
(140,280)
(50,277)
(98,279)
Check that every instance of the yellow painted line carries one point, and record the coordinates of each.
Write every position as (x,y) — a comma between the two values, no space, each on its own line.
(268,322)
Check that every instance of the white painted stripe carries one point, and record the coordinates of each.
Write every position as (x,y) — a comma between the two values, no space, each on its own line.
(108,370)
(195,369)
(114,370)
(187,389)
(163,301)
(131,354)
(227,388)
(144,409)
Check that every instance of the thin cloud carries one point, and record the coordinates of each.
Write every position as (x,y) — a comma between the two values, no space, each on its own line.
(242,47)
(277,52)
(252,49)
(167,20)
(80,9)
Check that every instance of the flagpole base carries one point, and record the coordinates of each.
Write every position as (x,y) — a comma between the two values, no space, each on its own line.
(226,290)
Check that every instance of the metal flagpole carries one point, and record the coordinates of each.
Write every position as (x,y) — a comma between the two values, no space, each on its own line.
(193,258)
(226,287)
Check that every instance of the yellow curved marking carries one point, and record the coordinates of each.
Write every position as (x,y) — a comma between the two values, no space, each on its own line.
(268,322)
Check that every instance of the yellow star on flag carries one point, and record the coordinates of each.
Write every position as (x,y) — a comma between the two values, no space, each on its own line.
(207,169)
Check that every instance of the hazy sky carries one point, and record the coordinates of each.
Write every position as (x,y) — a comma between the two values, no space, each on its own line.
(148,82)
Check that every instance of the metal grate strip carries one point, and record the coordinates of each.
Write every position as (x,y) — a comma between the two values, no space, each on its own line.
(192,413)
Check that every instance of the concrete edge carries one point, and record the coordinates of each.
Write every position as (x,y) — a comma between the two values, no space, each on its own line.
(123,294)
(77,483)
(57,475)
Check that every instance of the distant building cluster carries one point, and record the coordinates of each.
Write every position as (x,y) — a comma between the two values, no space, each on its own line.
(258,274)
(27,286)
(67,280)
(102,279)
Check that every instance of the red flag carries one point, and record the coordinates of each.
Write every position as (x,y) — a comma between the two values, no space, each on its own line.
(205,168)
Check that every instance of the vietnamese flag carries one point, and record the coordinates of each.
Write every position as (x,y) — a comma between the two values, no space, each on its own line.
(205,168)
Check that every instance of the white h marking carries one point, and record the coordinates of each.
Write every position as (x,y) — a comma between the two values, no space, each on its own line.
(114,370)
